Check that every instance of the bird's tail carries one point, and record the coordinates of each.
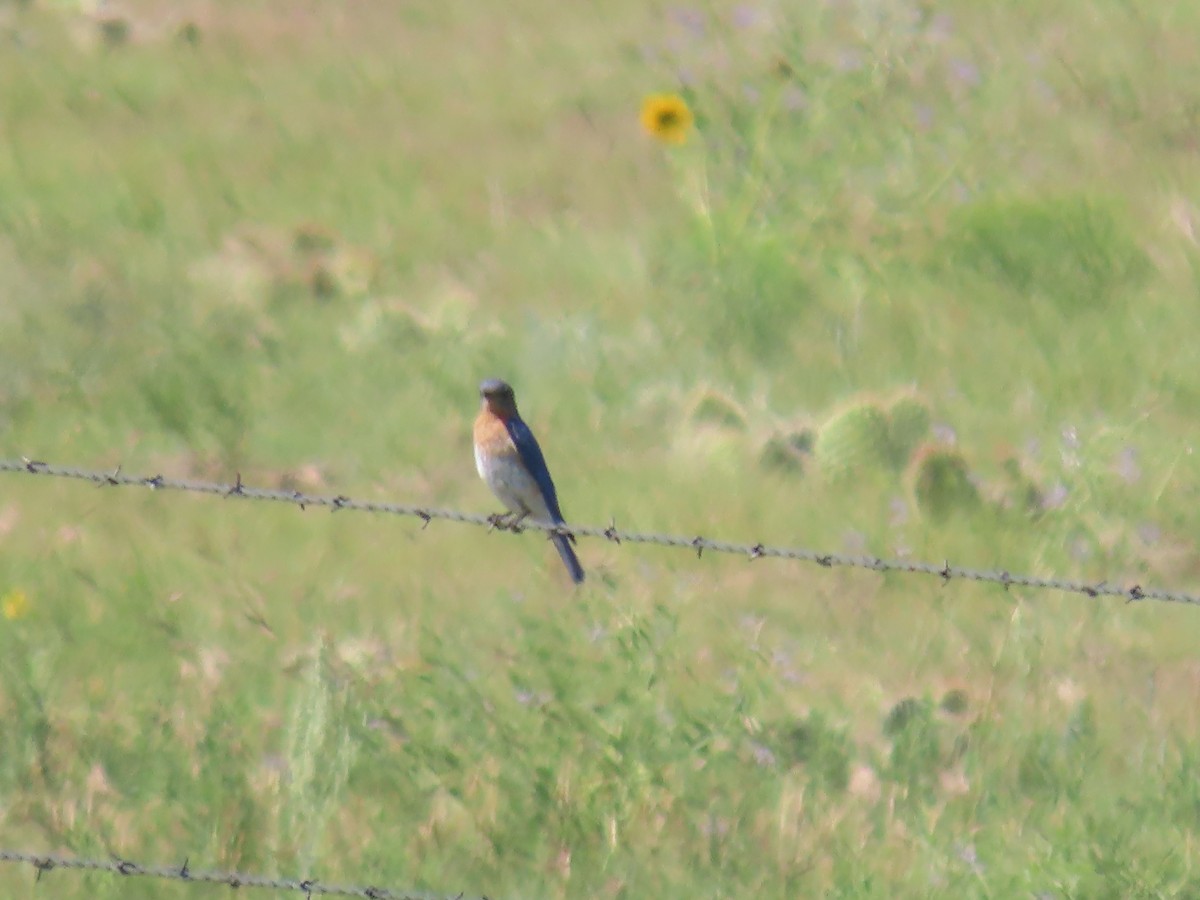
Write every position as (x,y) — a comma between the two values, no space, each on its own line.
(563,544)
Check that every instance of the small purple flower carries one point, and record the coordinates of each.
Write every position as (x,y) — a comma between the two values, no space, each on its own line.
(1127,466)
(1055,497)
(532,698)
(762,754)
(924,116)
(795,100)
(746,16)
(1149,533)
(690,20)
(752,622)
(964,72)
(940,27)
(849,60)
(854,542)
(968,854)
(944,434)
(729,678)
(715,826)
(1044,90)
(899,510)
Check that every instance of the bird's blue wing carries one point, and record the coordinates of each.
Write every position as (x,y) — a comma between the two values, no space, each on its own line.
(534,462)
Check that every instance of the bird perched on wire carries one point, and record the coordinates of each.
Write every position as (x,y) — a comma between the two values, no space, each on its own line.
(509,459)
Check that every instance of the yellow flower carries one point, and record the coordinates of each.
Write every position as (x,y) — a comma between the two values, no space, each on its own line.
(666,117)
(14,604)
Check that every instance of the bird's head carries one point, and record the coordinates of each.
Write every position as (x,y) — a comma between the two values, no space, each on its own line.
(498,398)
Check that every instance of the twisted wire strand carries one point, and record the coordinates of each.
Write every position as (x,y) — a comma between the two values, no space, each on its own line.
(310,887)
(697,544)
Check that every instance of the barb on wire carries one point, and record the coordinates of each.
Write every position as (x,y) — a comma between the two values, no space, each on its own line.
(698,544)
(46,862)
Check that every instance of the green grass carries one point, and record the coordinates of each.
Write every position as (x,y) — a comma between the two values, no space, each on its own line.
(291,248)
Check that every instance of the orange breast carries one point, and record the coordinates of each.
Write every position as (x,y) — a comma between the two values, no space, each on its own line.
(491,436)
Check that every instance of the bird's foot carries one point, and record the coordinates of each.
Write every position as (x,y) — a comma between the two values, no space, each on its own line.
(561,530)
(506,521)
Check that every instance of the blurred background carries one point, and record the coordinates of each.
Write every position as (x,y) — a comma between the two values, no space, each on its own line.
(915,279)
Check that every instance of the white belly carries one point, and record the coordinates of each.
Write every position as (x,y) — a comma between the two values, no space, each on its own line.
(514,486)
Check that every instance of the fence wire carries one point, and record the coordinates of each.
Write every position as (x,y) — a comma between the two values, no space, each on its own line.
(697,544)
(310,887)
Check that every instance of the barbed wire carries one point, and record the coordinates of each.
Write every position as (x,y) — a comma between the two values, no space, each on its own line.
(698,544)
(310,887)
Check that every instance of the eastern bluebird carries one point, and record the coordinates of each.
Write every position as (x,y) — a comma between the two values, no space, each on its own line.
(509,459)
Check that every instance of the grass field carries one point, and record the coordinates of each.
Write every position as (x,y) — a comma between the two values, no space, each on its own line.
(288,241)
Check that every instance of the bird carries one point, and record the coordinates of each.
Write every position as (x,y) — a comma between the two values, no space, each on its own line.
(510,462)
